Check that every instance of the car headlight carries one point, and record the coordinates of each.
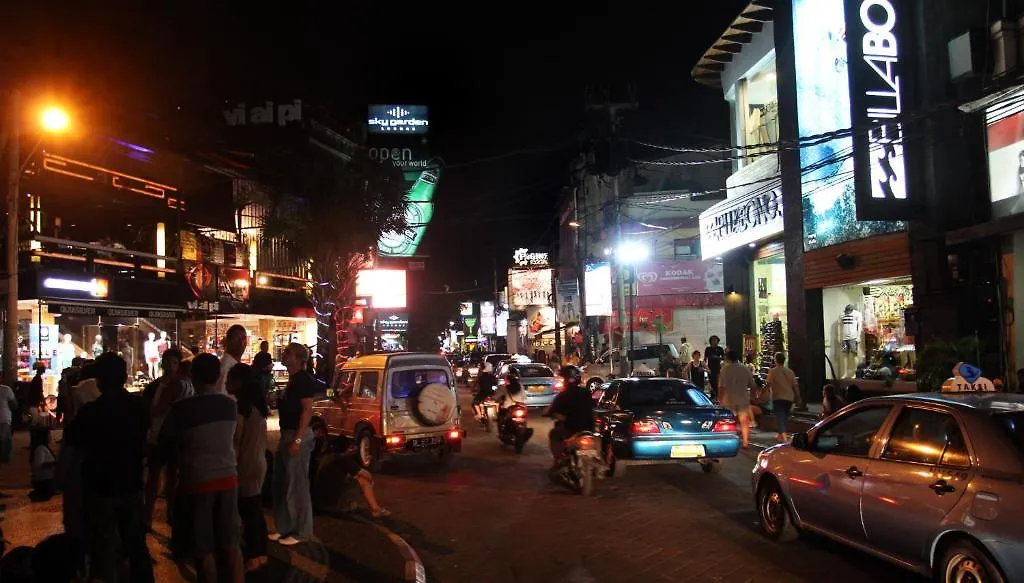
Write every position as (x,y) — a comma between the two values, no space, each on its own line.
(762,460)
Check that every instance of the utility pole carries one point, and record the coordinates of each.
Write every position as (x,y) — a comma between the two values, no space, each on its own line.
(614,112)
(12,138)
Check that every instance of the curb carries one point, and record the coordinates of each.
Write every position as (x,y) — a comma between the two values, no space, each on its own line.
(414,570)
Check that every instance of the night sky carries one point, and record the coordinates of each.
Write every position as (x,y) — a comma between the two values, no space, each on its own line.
(498,78)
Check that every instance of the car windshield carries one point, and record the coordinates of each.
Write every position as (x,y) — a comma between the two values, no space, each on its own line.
(405,382)
(1013,423)
(534,370)
(664,393)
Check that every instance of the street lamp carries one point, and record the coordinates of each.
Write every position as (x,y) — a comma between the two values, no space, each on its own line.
(51,120)
(630,253)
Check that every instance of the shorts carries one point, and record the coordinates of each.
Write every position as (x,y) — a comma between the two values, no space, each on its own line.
(210,520)
(850,346)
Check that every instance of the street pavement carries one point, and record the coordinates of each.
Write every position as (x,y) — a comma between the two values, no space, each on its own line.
(492,515)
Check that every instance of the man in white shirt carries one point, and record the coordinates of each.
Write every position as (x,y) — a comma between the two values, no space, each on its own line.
(235,342)
(8,404)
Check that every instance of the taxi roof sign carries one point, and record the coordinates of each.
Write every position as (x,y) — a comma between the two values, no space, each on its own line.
(967,378)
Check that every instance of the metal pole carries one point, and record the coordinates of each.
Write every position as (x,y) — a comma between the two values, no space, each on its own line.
(632,282)
(620,288)
(13,175)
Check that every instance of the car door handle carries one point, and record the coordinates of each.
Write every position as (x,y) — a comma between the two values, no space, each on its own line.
(853,472)
(941,487)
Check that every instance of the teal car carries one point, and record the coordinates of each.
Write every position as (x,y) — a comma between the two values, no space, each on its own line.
(644,421)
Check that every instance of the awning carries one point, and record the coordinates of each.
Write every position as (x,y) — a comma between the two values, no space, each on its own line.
(708,70)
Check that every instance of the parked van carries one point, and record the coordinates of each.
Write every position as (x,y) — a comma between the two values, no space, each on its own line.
(393,404)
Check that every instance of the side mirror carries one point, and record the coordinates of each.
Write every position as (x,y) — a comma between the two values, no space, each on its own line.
(800,441)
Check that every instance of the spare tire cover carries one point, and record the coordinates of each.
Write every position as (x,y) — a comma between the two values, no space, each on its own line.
(434,404)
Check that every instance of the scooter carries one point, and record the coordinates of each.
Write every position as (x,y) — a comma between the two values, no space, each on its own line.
(582,464)
(490,414)
(512,428)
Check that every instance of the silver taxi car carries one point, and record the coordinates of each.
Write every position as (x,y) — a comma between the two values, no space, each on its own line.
(933,482)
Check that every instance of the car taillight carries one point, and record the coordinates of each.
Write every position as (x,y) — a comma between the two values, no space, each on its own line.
(559,385)
(394,440)
(454,434)
(644,427)
(724,425)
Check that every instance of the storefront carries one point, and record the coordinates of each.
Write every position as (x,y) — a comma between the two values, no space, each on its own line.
(68,315)
(867,312)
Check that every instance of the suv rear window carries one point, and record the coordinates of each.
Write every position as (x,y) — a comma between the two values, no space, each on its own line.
(1013,423)
(406,382)
(533,370)
(664,393)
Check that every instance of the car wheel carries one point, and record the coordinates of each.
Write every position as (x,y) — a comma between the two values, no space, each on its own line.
(965,561)
(711,466)
(369,451)
(772,510)
(592,384)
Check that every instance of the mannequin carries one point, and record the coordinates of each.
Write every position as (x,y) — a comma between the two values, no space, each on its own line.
(97,346)
(151,351)
(851,324)
(162,344)
(66,352)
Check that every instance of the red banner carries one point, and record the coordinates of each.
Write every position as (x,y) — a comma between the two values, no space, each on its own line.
(659,278)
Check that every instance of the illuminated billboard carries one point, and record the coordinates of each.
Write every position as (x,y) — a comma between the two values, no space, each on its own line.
(598,281)
(1006,165)
(418,212)
(529,287)
(398,119)
(384,287)
(487,322)
(823,105)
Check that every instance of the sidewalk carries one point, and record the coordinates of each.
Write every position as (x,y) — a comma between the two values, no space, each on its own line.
(351,547)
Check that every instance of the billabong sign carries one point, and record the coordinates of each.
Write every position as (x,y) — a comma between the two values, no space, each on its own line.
(266,113)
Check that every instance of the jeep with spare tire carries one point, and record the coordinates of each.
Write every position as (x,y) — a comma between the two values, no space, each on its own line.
(392,404)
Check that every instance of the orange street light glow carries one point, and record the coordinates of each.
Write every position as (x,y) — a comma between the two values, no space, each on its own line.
(55,119)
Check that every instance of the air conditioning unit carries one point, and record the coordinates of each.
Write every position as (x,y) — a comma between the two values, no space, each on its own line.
(967,55)
(1005,46)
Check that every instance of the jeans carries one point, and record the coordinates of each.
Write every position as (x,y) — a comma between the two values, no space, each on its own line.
(254,527)
(782,413)
(293,509)
(116,523)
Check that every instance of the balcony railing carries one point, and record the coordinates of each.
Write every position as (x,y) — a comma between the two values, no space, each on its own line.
(96,258)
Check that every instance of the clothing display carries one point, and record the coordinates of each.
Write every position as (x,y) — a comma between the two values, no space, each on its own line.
(771,342)
(151,351)
(851,324)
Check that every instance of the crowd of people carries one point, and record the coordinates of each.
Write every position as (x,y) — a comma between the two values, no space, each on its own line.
(200,432)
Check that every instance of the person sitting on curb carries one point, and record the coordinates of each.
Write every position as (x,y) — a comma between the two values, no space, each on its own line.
(343,454)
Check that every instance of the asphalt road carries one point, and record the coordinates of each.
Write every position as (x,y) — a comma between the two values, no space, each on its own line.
(491,515)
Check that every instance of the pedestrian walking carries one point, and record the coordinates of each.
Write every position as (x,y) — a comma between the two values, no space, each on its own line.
(293,508)
(235,342)
(735,384)
(8,405)
(201,431)
(250,451)
(782,383)
(713,356)
(695,372)
(160,396)
(110,433)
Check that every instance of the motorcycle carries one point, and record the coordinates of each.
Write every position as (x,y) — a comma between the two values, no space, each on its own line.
(582,463)
(490,414)
(513,430)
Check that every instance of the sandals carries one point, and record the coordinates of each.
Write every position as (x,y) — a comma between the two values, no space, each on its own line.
(380,513)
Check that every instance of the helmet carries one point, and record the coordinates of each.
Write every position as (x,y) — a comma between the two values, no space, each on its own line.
(572,374)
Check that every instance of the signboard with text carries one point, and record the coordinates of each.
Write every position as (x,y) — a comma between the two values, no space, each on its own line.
(529,287)
(398,119)
(567,300)
(679,277)
(738,221)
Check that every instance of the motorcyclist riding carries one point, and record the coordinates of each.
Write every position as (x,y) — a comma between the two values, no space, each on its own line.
(573,410)
(485,381)
(508,394)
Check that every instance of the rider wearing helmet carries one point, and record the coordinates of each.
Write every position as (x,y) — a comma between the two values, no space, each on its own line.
(573,409)
(510,391)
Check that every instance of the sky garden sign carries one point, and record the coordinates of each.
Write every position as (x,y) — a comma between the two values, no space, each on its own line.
(524,258)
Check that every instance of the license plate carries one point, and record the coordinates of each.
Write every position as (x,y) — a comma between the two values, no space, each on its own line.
(687,451)
(425,441)
(536,388)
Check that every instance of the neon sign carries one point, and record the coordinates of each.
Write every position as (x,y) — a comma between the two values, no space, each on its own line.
(119,180)
(418,212)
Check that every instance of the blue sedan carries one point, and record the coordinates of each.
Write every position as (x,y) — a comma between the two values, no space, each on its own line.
(645,421)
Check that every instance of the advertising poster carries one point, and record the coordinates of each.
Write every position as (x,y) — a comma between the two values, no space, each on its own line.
(529,287)
(501,323)
(487,318)
(466,309)
(823,105)
(567,300)
(599,290)
(679,277)
(1006,165)
(539,319)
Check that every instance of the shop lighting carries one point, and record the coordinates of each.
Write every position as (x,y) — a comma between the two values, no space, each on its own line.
(574,224)
(97,288)
(632,252)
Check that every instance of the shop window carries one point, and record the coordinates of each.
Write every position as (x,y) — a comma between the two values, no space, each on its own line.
(755,109)
(866,332)
(686,248)
(769,310)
